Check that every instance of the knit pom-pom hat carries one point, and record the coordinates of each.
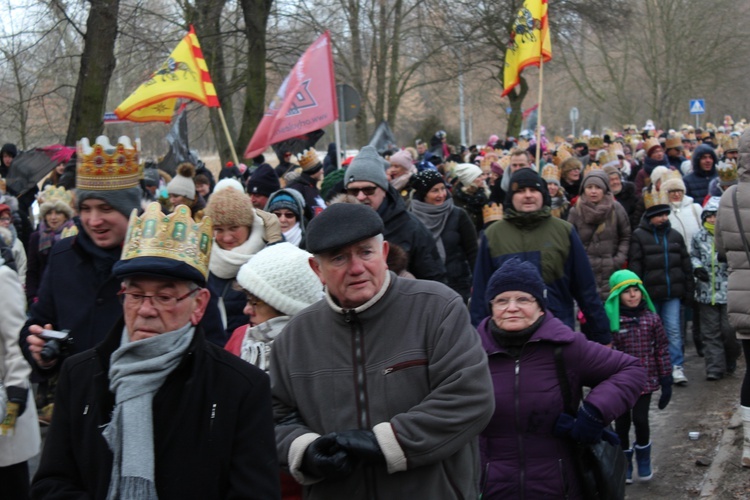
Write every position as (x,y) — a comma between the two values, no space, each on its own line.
(182,184)
(231,208)
(281,276)
(618,283)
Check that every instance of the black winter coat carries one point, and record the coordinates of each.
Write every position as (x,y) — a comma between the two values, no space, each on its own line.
(661,259)
(627,198)
(404,230)
(212,425)
(460,242)
(307,186)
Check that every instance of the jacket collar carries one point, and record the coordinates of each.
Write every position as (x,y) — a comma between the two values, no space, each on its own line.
(551,330)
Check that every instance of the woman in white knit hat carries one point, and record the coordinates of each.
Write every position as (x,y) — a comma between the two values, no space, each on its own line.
(278,283)
(471,192)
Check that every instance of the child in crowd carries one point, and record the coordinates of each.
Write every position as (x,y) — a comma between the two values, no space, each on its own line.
(637,330)
(720,346)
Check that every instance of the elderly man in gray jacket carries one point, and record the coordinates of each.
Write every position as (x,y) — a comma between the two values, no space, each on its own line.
(381,388)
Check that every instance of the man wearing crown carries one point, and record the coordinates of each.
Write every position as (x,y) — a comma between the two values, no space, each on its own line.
(307,182)
(155,410)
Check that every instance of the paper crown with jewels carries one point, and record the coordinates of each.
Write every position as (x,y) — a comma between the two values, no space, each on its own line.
(104,167)
(730,143)
(562,154)
(727,171)
(172,246)
(590,167)
(551,173)
(653,198)
(308,159)
(52,194)
(596,142)
(492,212)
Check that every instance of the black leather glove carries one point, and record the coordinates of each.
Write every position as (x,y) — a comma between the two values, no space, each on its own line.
(701,274)
(666,391)
(588,426)
(324,458)
(18,395)
(362,444)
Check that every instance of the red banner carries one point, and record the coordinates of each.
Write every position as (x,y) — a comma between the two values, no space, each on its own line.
(305,102)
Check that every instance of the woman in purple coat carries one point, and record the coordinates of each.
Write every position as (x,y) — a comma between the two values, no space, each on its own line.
(526,449)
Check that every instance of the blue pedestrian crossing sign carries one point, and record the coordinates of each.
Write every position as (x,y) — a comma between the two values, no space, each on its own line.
(697,106)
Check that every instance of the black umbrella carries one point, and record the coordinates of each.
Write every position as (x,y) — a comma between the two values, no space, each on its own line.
(30,167)
(297,144)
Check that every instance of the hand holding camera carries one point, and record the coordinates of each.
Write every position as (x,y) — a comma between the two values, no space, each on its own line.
(47,345)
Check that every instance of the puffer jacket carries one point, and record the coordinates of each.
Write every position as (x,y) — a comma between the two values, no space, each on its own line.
(606,240)
(521,458)
(703,254)
(686,218)
(696,182)
(660,258)
(729,243)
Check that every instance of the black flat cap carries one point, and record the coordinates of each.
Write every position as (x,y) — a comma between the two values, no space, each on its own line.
(340,225)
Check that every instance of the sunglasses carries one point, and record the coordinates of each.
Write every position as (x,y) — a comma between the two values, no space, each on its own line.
(367,191)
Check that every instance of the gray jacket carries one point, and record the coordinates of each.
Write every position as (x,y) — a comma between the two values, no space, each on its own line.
(409,366)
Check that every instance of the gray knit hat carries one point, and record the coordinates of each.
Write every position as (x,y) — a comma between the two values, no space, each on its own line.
(368,166)
(122,200)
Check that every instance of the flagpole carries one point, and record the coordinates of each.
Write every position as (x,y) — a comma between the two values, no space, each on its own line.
(337,130)
(229,138)
(539,113)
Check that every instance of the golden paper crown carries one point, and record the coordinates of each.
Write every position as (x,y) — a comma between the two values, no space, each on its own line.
(308,158)
(175,236)
(492,212)
(485,164)
(52,194)
(591,166)
(596,142)
(673,142)
(691,136)
(562,154)
(650,143)
(727,171)
(608,158)
(504,162)
(103,167)
(523,144)
(3,186)
(653,197)
(615,149)
(551,172)
(729,143)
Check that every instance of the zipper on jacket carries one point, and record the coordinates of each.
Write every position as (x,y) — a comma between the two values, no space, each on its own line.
(404,365)
(713,272)
(517,403)
(564,478)
(211,421)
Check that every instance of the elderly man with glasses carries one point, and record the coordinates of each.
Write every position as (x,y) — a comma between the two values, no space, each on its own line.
(155,410)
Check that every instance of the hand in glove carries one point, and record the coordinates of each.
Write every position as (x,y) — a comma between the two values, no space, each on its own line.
(271,227)
(362,444)
(588,426)
(666,391)
(324,458)
(701,274)
(564,425)
(18,395)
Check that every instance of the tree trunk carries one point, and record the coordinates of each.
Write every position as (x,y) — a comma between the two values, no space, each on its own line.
(516,97)
(97,64)
(256,14)
(360,122)
(380,62)
(394,99)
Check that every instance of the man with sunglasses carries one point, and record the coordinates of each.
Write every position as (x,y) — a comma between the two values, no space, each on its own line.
(365,179)
(156,411)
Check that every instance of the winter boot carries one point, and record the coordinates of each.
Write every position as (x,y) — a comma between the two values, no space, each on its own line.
(643,457)
(629,460)
(746,431)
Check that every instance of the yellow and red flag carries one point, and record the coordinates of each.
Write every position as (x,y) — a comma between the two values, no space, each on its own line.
(529,42)
(183,75)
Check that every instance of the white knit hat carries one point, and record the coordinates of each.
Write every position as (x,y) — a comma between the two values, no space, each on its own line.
(182,184)
(467,173)
(281,276)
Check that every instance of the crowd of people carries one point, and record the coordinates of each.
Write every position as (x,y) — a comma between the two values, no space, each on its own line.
(423,321)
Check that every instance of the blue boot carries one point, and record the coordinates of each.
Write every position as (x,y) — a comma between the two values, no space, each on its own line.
(643,457)
(629,460)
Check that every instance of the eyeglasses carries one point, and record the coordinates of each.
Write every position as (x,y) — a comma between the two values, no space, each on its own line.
(367,191)
(281,215)
(504,303)
(166,301)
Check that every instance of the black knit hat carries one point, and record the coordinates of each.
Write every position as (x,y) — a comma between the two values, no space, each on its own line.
(523,178)
(424,181)
(263,181)
(340,225)
(520,276)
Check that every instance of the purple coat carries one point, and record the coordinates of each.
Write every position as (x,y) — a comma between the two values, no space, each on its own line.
(521,458)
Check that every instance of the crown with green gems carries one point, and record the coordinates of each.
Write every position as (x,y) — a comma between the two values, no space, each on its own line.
(175,236)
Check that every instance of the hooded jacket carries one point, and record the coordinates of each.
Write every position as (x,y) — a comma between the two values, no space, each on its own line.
(729,242)
(696,182)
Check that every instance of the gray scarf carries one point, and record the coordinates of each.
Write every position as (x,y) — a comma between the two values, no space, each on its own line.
(434,217)
(137,370)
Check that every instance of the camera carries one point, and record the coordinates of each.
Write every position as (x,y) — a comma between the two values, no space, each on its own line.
(56,345)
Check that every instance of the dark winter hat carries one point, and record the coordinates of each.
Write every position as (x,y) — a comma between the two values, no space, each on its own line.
(10,149)
(330,181)
(340,225)
(263,181)
(151,176)
(517,275)
(285,199)
(523,178)
(598,178)
(655,210)
(368,166)
(424,181)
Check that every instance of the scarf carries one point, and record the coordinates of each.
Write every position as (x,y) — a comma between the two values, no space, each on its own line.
(102,258)
(709,227)
(256,344)
(226,264)
(137,370)
(595,213)
(434,217)
(400,182)
(649,164)
(513,342)
(633,312)
(527,220)
(294,235)
(48,237)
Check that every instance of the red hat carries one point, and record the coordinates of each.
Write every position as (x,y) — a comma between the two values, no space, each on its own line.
(4,208)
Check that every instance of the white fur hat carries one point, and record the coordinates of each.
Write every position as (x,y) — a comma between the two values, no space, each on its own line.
(280,275)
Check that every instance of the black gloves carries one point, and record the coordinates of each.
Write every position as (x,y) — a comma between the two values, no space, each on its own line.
(18,395)
(361,444)
(701,274)
(325,458)
(666,391)
(588,426)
